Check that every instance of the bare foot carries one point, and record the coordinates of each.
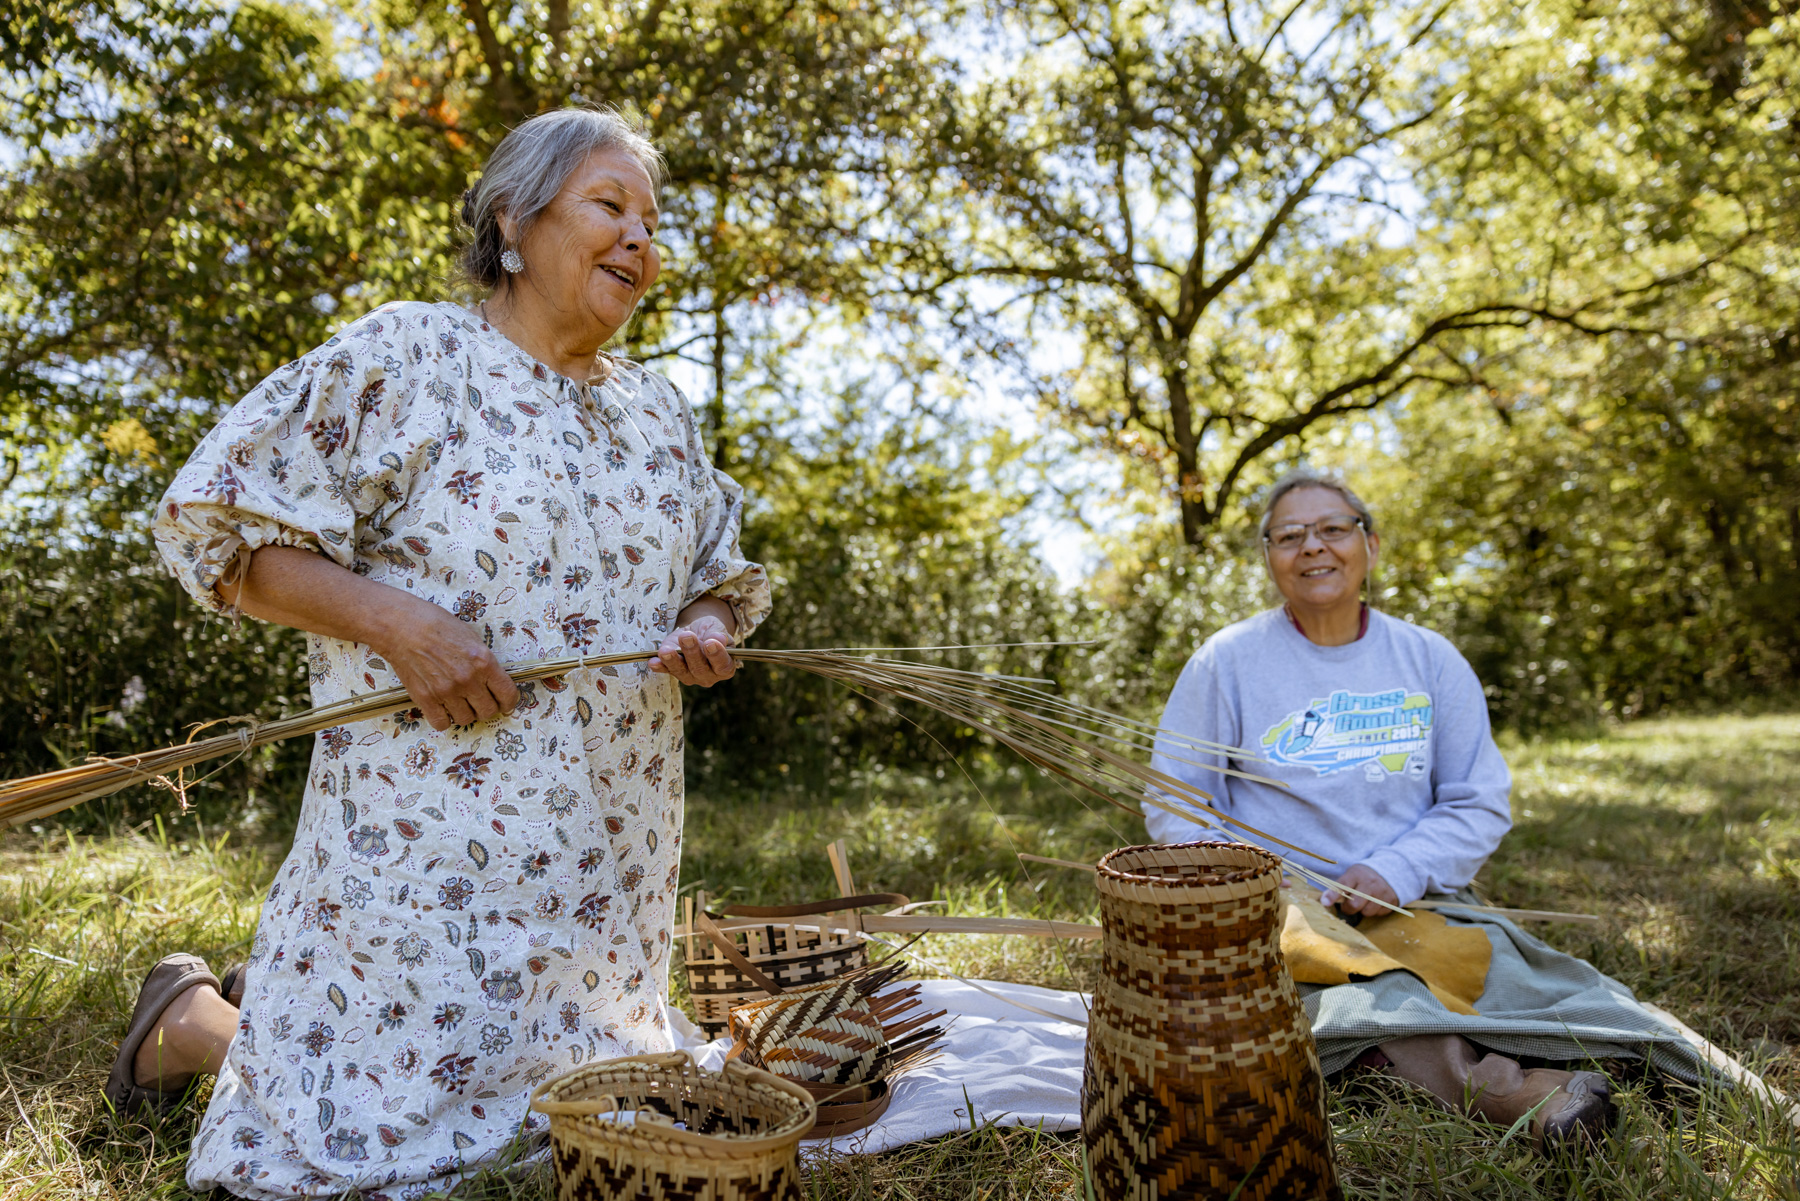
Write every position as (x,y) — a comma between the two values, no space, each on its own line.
(189,1040)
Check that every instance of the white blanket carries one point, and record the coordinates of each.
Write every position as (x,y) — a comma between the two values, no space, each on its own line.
(997,1063)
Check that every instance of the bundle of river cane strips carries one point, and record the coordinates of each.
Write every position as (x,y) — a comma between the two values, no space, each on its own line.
(1096,751)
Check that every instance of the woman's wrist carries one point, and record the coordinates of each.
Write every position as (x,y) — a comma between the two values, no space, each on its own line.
(394,621)
(710,606)
(740,622)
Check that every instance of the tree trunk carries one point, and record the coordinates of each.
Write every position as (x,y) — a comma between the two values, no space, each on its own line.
(715,409)
(1190,484)
(1195,518)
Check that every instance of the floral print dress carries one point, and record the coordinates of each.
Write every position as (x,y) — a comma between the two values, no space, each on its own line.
(463,914)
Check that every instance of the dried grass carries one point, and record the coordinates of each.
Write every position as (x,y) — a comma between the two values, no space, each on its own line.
(1095,750)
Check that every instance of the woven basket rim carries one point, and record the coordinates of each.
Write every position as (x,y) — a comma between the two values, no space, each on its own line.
(710,956)
(679,1067)
(1259,863)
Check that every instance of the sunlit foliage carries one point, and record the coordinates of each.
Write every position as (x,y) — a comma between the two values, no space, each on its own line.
(1528,270)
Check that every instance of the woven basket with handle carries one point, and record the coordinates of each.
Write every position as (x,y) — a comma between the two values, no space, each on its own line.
(785,950)
(1201,1079)
(792,952)
(657,1128)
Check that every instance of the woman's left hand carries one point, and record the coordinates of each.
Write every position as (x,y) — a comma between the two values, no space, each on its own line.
(698,652)
(1364,879)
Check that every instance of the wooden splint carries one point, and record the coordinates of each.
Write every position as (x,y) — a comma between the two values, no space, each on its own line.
(1722,1061)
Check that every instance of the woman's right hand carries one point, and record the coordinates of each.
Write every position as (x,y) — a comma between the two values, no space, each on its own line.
(452,676)
(450,673)
(1367,880)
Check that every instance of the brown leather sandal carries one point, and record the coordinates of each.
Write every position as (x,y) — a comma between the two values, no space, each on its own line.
(230,981)
(166,981)
(1566,1107)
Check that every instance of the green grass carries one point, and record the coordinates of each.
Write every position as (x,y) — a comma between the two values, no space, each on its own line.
(1684,835)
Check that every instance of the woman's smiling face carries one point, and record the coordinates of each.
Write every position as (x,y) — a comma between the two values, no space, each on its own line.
(1319,575)
(590,251)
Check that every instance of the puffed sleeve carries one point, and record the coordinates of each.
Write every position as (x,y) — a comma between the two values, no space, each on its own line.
(719,566)
(317,447)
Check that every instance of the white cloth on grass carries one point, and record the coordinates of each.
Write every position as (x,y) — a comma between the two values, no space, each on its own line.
(997,1063)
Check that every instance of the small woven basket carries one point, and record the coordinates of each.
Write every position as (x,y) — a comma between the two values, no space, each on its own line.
(1201,1080)
(841,1042)
(692,1136)
(785,950)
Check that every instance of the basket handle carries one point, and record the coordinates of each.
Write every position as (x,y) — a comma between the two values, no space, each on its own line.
(737,1069)
(739,1072)
(733,956)
(607,1103)
(837,905)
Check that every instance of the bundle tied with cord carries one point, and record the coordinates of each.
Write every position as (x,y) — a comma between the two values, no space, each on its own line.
(1096,751)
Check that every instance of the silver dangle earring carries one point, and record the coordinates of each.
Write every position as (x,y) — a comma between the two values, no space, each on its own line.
(510,260)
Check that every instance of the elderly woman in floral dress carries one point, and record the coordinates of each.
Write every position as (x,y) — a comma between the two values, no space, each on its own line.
(481,885)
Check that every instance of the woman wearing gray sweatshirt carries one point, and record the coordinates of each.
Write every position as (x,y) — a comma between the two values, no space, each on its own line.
(1379,731)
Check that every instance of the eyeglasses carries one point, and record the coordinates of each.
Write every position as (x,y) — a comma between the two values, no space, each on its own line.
(1329,529)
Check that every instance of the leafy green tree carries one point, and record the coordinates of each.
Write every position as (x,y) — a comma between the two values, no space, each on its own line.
(1615,527)
(881,526)
(1618,547)
(1216,206)
(206,193)
(180,222)
(786,125)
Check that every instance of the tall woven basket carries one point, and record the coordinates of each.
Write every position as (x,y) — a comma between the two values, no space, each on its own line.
(686,1135)
(1201,1077)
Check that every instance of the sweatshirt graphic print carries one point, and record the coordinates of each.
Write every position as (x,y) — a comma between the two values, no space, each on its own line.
(1383,733)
